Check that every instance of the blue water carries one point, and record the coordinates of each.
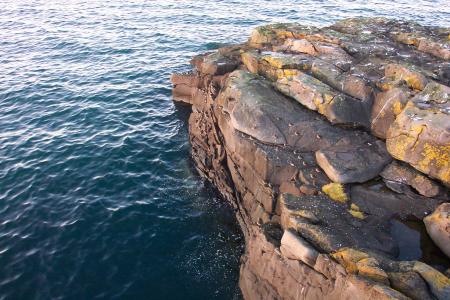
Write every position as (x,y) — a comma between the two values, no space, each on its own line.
(98,196)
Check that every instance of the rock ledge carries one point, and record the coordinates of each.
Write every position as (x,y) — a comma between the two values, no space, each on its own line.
(325,140)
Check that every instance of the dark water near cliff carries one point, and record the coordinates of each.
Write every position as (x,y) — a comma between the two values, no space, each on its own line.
(98,197)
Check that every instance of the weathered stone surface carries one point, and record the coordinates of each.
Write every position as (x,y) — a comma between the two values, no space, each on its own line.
(370,268)
(438,227)
(359,262)
(376,199)
(294,247)
(420,134)
(337,227)
(347,164)
(439,283)
(274,65)
(338,108)
(350,83)
(300,46)
(424,40)
(308,237)
(410,284)
(414,79)
(398,176)
(387,105)
(215,64)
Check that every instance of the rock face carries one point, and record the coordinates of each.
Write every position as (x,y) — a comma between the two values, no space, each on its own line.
(398,177)
(347,164)
(290,128)
(420,135)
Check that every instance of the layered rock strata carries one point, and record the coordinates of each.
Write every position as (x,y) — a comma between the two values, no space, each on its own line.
(323,139)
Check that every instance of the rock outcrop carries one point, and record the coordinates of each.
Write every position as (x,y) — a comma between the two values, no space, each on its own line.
(322,139)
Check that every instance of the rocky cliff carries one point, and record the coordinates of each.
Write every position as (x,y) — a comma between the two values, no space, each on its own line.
(330,142)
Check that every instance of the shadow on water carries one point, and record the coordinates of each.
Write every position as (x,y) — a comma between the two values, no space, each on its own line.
(415,244)
(182,111)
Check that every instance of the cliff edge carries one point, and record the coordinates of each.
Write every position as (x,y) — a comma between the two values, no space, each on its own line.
(332,144)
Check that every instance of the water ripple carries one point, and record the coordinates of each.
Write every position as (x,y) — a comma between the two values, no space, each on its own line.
(98,198)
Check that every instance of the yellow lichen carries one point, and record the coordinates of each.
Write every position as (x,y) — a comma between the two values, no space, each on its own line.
(414,81)
(397,107)
(440,155)
(437,156)
(398,147)
(408,38)
(336,192)
(370,268)
(287,73)
(357,214)
(274,61)
(250,61)
(348,257)
(284,34)
(387,83)
(353,206)
(412,78)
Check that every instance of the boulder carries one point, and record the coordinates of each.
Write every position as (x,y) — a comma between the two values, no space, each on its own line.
(348,164)
(337,107)
(300,46)
(274,65)
(370,268)
(413,78)
(377,200)
(349,83)
(420,134)
(439,283)
(398,175)
(215,64)
(438,227)
(295,247)
(410,284)
(387,105)
(336,227)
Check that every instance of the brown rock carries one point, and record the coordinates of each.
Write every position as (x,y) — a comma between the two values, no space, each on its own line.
(386,107)
(301,46)
(338,108)
(414,79)
(410,284)
(347,164)
(291,188)
(308,189)
(400,175)
(353,85)
(420,134)
(439,283)
(254,143)
(440,50)
(295,247)
(216,64)
(376,199)
(370,268)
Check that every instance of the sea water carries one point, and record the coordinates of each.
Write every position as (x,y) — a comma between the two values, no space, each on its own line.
(98,196)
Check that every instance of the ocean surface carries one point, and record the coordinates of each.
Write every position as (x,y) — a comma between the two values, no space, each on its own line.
(98,196)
